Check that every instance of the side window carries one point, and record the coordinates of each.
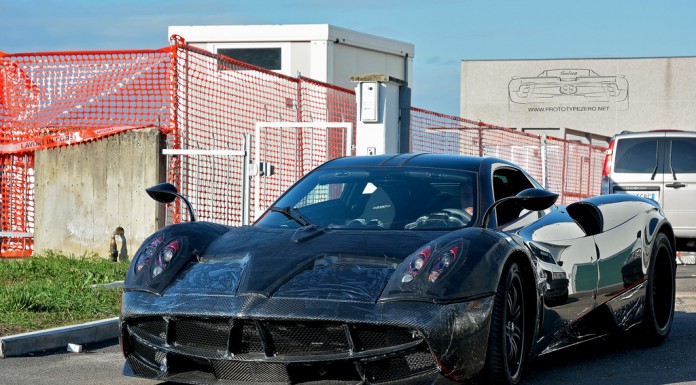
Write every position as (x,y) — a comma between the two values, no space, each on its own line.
(683,155)
(268,58)
(636,155)
(508,182)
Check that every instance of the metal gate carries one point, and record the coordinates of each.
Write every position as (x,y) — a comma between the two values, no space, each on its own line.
(286,151)
(210,179)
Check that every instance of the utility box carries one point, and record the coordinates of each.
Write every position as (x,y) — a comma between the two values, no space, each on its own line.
(382,126)
(369,102)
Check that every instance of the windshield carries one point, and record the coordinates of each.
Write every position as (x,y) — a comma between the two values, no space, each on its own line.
(378,198)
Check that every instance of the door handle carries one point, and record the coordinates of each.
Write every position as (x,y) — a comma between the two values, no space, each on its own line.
(675,185)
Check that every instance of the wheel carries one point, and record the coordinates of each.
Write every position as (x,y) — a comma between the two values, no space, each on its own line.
(659,296)
(507,340)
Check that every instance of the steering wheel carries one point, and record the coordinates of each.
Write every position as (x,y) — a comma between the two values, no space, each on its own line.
(445,218)
(460,215)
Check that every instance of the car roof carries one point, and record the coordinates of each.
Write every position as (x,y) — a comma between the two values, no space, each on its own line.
(654,133)
(457,162)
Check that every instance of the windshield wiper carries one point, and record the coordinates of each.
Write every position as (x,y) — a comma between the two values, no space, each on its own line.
(657,158)
(674,174)
(291,213)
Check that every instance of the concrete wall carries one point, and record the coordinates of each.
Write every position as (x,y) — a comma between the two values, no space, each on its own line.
(660,93)
(84,192)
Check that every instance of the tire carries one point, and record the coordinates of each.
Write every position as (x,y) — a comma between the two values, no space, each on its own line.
(659,295)
(507,341)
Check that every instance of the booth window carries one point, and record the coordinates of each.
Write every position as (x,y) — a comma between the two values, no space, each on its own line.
(268,58)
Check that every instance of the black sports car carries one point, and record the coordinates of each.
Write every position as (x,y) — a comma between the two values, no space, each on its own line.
(408,269)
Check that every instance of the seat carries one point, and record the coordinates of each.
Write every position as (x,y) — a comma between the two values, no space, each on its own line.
(379,207)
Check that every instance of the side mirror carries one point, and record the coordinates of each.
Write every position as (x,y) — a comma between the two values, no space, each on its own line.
(166,193)
(533,199)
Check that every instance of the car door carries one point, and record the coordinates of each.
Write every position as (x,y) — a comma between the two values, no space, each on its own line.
(619,246)
(680,183)
(639,166)
(567,268)
(565,254)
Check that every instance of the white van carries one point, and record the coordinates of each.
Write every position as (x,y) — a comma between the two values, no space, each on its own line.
(660,165)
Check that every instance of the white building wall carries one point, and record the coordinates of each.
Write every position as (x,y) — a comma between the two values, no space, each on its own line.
(660,94)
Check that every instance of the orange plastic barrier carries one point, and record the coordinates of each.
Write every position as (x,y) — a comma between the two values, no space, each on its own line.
(205,101)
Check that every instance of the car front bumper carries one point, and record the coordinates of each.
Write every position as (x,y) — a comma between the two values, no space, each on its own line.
(254,339)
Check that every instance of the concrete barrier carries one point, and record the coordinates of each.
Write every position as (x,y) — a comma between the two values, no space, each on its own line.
(49,339)
(84,193)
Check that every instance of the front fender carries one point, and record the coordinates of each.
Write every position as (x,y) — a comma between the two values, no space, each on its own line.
(152,270)
(475,273)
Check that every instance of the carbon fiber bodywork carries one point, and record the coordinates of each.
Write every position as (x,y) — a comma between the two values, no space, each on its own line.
(305,303)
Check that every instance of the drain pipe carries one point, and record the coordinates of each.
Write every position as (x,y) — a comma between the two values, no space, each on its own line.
(113,249)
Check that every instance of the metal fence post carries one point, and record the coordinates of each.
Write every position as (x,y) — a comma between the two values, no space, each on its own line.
(246,184)
(544,166)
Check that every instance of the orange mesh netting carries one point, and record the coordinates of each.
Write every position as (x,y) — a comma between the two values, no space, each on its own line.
(55,99)
(205,101)
(218,101)
(569,168)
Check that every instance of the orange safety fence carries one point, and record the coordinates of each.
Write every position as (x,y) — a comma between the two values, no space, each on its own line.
(219,100)
(54,99)
(208,102)
(16,204)
(575,169)
(569,168)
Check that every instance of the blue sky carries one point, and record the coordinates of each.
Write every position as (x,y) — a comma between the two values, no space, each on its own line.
(444,32)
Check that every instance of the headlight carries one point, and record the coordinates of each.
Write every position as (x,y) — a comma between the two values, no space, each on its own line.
(558,275)
(165,257)
(416,263)
(145,256)
(439,260)
(444,260)
(154,258)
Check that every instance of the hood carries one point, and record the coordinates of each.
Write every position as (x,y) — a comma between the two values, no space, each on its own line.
(336,264)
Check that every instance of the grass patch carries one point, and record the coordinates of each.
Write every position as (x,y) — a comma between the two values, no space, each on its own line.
(51,290)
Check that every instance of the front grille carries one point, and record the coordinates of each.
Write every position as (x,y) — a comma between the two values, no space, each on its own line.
(146,352)
(249,340)
(202,334)
(243,371)
(150,329)
(368,337)
(291,338)
(219,337)
(275,352)
(391,369)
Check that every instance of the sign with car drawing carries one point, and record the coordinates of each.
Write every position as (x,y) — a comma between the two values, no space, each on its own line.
(558,90)
(575,98)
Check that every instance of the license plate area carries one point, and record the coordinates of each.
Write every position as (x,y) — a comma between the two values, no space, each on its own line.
(640,191)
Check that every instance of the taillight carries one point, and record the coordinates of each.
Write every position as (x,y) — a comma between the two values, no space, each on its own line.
(524,90)
(416,264)
(606,170)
